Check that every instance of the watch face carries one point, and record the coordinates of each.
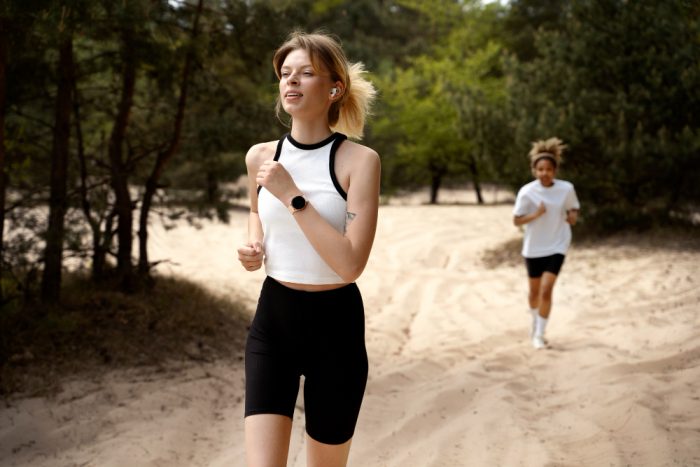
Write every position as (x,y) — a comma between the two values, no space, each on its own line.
(298,202)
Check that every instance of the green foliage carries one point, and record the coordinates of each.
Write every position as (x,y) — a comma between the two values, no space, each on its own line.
(464,89)
(441,114)
(419,119)
(526,18)
(619,85)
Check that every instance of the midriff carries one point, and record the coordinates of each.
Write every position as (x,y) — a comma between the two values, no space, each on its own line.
(311,287)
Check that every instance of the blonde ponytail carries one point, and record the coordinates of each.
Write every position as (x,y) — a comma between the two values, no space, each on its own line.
(349,113)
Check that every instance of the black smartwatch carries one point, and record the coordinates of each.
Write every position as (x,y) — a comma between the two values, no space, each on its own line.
(298,204)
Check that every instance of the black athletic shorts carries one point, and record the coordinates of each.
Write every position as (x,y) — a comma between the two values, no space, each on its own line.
(538,266)
(320,335)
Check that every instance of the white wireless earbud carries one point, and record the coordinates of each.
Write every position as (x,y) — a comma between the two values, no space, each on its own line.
(334,91)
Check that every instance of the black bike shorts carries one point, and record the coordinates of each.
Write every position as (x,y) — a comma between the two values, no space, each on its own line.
(538,266)
(320,335)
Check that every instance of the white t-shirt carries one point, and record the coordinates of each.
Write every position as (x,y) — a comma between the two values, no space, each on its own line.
(549,234)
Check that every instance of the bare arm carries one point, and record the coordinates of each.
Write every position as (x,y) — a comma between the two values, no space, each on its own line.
(254,158)
(347,253)
(572,216)
(251,254)
(521,220)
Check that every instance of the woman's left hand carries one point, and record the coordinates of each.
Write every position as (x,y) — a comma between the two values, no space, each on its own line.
(274,177)
(572,216)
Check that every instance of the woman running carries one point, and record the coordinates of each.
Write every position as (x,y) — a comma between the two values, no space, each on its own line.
(314,198)
(548,207)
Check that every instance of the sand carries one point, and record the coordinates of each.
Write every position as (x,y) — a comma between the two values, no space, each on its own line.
(453,379)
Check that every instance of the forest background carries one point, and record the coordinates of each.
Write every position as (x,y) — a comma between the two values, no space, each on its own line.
(114,115)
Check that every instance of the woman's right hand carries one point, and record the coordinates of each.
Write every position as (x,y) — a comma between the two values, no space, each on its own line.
(541,209)
(521,220)
(251,256)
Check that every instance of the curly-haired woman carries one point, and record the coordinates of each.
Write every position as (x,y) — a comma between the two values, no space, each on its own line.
(548,207)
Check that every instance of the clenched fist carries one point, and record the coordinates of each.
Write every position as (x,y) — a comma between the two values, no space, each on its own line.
(274,177)
(251,256)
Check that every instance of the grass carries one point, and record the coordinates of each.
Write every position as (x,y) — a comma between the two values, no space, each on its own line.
(95,330)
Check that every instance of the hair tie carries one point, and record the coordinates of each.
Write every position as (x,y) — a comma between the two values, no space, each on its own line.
(545,155)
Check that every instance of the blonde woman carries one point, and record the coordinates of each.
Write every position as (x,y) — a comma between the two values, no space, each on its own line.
(548,207)
(314,199)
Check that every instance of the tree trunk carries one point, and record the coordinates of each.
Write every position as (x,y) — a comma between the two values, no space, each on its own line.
(435,182)
(213,193)
(3,172)
(165,156)
(119,170)
(475,178)
(53,255)
(99,257)
(98,253)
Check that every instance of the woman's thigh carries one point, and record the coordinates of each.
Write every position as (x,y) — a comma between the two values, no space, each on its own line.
(267,439)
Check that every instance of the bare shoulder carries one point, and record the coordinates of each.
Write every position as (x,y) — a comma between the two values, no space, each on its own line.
(259,153)
(358,155)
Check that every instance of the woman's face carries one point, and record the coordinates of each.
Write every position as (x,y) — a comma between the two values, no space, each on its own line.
(304,91)
(545,170)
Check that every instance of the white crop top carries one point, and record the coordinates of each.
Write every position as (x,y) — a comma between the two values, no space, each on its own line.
(289,256)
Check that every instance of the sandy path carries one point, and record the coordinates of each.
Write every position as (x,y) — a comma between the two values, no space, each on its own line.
(453,379)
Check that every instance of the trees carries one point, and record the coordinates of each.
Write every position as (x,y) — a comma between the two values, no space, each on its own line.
(165,155)
(444,109)
(619,84)
(417,131)
(58,202)
(129,103)
(118,126)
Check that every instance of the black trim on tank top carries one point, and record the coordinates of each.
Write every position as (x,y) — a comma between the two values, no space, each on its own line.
(278,151)
(320,144)
(331,165)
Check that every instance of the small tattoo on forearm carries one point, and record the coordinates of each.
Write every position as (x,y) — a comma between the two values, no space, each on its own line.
(349,216)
